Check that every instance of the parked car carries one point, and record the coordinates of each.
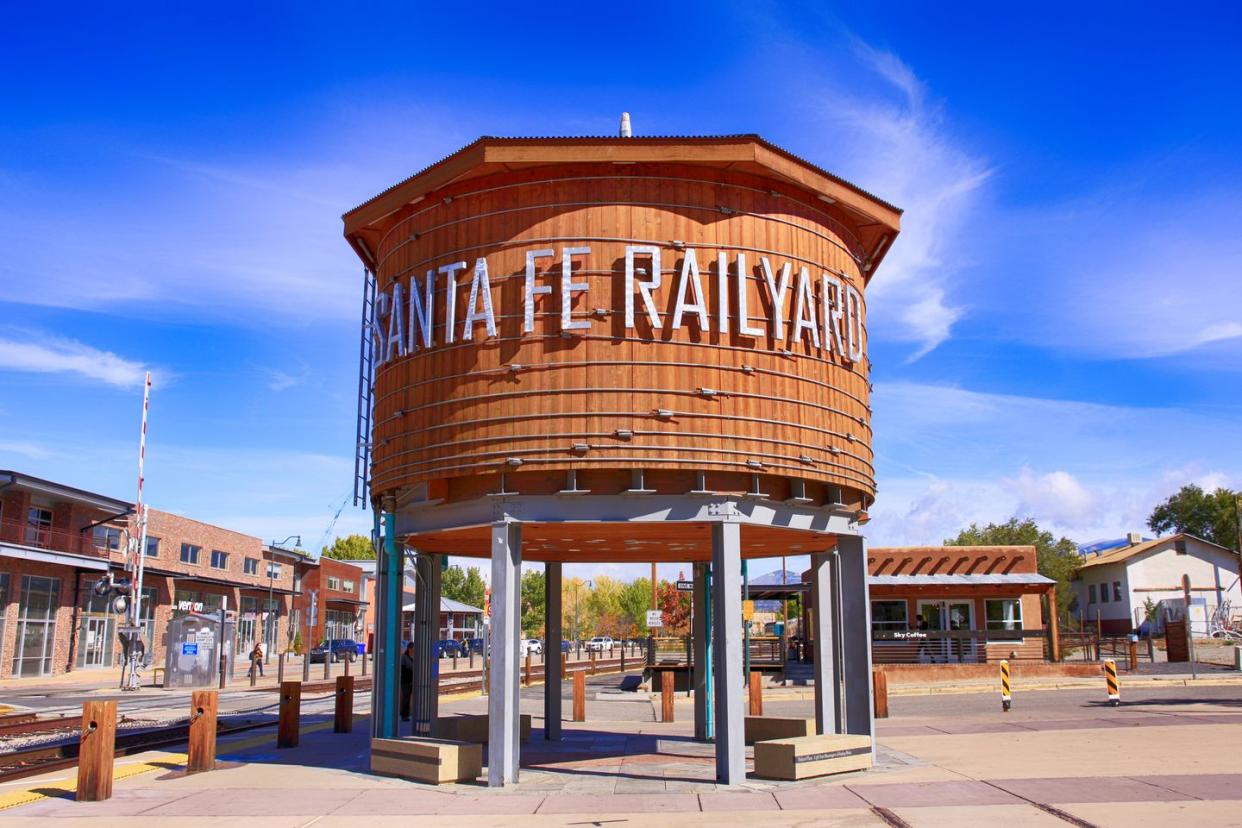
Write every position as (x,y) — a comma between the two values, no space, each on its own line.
(472,645)
(338,649)
(567,646)
(532,646)
(447,648)
(599,644)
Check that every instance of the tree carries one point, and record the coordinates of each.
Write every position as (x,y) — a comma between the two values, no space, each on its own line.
(533,603)
(1056,559)
(635,600)
(674,607)
(462,585)
(1213,517)
(351,548)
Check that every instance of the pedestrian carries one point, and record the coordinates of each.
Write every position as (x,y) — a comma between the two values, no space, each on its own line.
(407,680)
(256,659)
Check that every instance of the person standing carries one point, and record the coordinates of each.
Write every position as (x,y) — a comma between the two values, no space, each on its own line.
(407,681)
(256,659)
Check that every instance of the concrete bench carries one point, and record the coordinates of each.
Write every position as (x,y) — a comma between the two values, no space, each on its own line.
(765,728)
(807,756)
(427,760)
(473,728)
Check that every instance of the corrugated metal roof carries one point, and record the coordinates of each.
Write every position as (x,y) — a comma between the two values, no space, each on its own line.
(1127,552)
(958,580)
(446,605)
(636,140)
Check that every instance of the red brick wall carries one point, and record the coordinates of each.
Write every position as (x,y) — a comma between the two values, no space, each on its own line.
(16,568)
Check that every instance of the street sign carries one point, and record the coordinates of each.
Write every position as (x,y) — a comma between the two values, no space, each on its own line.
(685,586)
(655,618)
(126,629)
(189,649)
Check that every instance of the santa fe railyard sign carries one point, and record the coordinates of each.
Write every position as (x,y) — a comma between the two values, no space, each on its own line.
(826,313)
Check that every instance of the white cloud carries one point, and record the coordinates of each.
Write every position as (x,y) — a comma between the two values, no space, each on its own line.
(282,381)
(1056,496)
(25,449)
(902,148)
(53,355)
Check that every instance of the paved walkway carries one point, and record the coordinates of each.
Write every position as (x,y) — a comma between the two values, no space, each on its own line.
(1165,757)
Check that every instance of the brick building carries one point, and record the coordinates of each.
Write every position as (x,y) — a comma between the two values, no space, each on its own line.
(332,603)
(56,541)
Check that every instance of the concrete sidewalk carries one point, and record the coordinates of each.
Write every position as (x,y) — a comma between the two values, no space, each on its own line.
(962,763)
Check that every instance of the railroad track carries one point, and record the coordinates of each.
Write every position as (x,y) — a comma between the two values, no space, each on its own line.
(28,724)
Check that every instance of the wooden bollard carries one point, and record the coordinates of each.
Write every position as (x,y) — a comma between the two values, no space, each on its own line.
(579,696)
(344,722)
(96,749)
(1133,655)
(623,659)
(756,693)
(526,679)
(202,745)
(879,686)
(666,695)
(347,660)
(280,669)
(288,726)
(364,662)
(327,665)
(592,662)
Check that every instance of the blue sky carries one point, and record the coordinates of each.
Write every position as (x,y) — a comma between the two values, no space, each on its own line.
(1057,332)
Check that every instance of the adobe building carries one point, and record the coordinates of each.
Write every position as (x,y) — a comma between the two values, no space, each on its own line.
(958,605)
(621,350)
(56,541)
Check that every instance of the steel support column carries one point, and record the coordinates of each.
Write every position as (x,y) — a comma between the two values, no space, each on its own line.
(854,635)
(552,652)
(386,691)
(698,680)
(426,634)
(824,601)
(727,634)
(503,687)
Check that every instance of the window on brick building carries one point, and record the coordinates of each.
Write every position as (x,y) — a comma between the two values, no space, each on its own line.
(1003,615)
(38,526)
(889,616)
(189,553)
(347,586)
(273,571)
(334,583)
(251,566)
(219,560)
(153,547)
(108,537)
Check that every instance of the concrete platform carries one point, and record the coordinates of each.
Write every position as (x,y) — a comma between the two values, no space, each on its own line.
(1100,772)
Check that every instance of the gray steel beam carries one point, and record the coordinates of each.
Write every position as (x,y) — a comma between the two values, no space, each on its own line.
(699,598)
(552,652)
(823,611)
(426,633)
(502,701)
(727,644)
(855,636)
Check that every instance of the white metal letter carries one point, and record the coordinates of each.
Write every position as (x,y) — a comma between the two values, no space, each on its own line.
(479,284)
(777,292)
(743,300)
(396,326)
(644,288)
(804,310)
(833,311)
(568,288)
(722,292)
(528,323)
(690,274)
(422,310)
(853,322)
(450,299)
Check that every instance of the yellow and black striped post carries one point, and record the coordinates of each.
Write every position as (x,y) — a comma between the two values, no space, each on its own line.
(1110,677)
(1006,696)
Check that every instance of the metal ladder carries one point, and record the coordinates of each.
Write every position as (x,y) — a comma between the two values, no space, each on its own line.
(366,399)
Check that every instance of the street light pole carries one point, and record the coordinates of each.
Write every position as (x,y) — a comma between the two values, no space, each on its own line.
(269,633)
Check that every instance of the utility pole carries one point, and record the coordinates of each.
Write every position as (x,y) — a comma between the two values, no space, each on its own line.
(654,604)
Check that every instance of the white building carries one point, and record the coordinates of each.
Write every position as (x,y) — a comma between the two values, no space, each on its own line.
(1116,584)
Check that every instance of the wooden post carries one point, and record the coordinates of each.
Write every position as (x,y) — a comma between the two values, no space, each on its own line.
(564,664)
(592,662)
(364,662)
(666,696)
(756,693)
(327,664)
(254,673)
(879,686)
(347,665)
(96,749)
(344,722)
(1054,627)
(579,696)
(202,746)
(280,669)
(623,658)
(526,679)
(1133,655)
(288,727)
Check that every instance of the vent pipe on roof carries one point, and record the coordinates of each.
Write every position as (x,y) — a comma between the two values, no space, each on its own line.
(1134,538)
(626,132)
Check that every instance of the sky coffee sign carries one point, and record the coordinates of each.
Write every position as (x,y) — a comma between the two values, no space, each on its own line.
(819,309)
